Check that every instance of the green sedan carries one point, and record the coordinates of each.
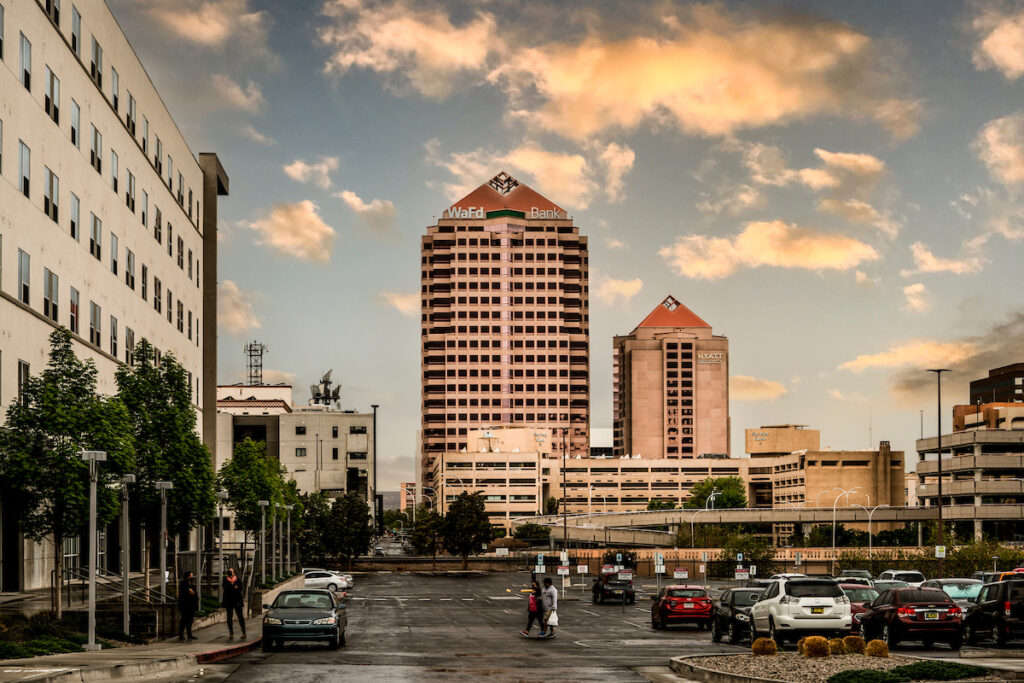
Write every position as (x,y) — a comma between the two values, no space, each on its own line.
(304,614)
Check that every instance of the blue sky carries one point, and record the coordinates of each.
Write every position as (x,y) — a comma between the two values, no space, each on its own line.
(834,186)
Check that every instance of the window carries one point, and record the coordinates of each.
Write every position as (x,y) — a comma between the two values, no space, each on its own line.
(334,432)
(129,346)
(129,268)
(334,453)
(145,282)
(50,290)
(145,207)
(181,195)
(157,296)
(190,203)
(158,228)
(24,265)
(190,325)
(115,88)
(96,153)
(96,66)
(95,236)
(189,264)
(129,195)
(113,336)
(129,117)
(51,100)
(76,124)
(53,9)
(356,456)
(300,430)
(300,452)
(113,170)
(113,253)
(23,375)
(181,317)
(73,308)
(170,170)
(170,307)
(357,429)
(51,193)
(181,253)
(24,166)
(94,323)
(26,63)
(170,239)
(75,222)
(76,31)
(145,135)
(1,32)
(158,156)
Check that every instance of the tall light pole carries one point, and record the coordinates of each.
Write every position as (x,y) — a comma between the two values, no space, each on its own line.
(263,538)
(275,542)
(125,541)
(938,459)
(565,496)
(288,546)
(871,549)
(94,458)
(374,499)
(163,487)
(842,492)
(221,497)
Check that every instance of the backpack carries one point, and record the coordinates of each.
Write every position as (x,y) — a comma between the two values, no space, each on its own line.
(533,602)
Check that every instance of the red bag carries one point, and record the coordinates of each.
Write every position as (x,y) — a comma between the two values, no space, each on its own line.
(533,602)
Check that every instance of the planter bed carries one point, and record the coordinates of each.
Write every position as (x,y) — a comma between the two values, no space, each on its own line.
(790,667)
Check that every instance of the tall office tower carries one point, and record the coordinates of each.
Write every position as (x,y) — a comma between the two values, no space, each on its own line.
(107,220)
(670,387)
(505,320)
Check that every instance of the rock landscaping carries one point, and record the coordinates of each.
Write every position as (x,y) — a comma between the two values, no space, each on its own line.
(793,668)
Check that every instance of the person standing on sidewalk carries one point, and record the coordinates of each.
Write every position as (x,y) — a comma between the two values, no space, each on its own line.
(533,610)
(549,600)
(233,601)
(188,604)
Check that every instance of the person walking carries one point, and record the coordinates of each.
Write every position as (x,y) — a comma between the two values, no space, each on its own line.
(233,601)
(549,601)
(534,612)
(188,603)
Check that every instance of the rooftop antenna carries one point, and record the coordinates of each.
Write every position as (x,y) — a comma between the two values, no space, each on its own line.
(322,393)
(254,356)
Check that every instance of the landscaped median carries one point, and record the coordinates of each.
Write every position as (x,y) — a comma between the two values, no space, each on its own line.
(818,660)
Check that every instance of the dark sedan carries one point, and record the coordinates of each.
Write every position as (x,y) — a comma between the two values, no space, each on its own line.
(304,615)
(923,614)
(860,595)
(611,587)
(731,614)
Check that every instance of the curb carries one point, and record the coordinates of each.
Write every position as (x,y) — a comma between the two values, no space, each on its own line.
(681,666)
(228,652)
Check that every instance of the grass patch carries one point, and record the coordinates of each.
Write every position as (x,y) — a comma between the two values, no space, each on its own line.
(918,671)
(40,634)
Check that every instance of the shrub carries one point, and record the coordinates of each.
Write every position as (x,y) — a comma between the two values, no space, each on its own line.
(836,646)
(865,676)
(816,646)
(764,646)
(800,646)
(938,671)
(854,645)
(9,650)
(877,648)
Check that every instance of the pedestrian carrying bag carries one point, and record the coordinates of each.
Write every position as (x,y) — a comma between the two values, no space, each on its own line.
(533,603)
(553,619)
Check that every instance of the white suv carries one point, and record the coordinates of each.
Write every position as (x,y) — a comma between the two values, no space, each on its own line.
(914,579)
(792,608)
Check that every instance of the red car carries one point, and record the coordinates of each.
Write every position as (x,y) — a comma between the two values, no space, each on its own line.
(681,605)
(859,595)
(924,614)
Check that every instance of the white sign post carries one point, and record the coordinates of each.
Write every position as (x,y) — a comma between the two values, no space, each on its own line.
(563,570)
(607,569)
(502,552)
(539,569)
(753,570)
(582,569)
(680,573)
(940,552)
(742,574)
(625,575)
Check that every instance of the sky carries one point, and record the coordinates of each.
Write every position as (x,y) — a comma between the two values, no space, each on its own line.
(834,186)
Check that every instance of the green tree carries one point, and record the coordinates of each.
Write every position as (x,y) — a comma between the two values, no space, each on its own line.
(312,532)
(532,532)
(159,399)
(348,528)
(551,506)
(427,536)
(42,474)
(733,493)
(466,526)
(656,504)
(249,477)
(628,557)
(757,551)
(396,519)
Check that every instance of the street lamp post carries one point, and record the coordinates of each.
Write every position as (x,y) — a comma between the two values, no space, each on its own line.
(871,513)
(565,496)
(94,458)
(163,487)
(374,499)
(221,497)
(938,458)
(288,546)
(125,541)
(263,538)
(276,543)
(842,492)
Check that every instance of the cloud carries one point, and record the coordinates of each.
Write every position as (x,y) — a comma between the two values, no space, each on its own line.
(249,131)
(297,230)
(731,199)
(234,309)
(765,243)
(318,173)
(857,211)
(863,278)
(746,388)
(405,303)
(278,377)
(916,353)
(1000,146)
(210,23)
(614,243)
(840,396)
(414,46)
(611,291)
(927,262)
(1000,41)
(616,160)
(247,98)
(379,214)
(916,298)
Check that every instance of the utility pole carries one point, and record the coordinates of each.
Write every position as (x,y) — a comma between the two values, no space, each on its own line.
(288,546)
(374,498)
(565,497)
(221,497)
(938,460)
(125,545)
(163,487)
(94,458)
(263,539)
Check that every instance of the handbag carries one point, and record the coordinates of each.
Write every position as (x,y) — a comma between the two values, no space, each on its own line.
(553,619)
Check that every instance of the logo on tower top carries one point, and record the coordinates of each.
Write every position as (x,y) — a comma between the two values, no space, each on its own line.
(504,183)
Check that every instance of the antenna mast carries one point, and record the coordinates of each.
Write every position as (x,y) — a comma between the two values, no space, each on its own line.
(254,357)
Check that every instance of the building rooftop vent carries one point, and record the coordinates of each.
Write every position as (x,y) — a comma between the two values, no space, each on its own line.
(503,183)
(670,303)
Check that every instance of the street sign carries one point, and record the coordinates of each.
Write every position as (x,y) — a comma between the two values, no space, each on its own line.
(739,557)
(753,570)
(702,569)
(626,575)
(483,546)
(539,569)
(680,573)
(607,569)
(564,557)
(618,558)
(659,558)
(659,569)
(540,558)
(619,567)
(502,552)
(797,558)
(563,570)
(704,557)
(742,574)
(582,569)
(940,552)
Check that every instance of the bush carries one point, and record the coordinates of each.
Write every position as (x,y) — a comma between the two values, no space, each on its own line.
(877,648)
(815,646)
(9,650)
(865,676)
(800,646)
(854,645)
(938,671)
(836,646)
(764,646)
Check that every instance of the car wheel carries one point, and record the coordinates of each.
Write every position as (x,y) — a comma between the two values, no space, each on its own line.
(928,643)
(773,634)
(889,636)
(267,645)
(341,639)
(970,634)
(335,642)
(333,587)
(716,633)
(735,636)
(998,636)
(956,643)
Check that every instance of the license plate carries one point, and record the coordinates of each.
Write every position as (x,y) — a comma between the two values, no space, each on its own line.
(618,592)
(687,605)
(931,616)
(817,610)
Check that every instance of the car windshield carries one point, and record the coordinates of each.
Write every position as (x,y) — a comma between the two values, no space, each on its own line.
(303,601)
(686,593)
(860,573)
(962,591)
(885,585)
(746,598)
(913,577)
(926,595)
(861,594)
(813,589)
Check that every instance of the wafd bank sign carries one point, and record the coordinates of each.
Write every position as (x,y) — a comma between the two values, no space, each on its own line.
(478,212)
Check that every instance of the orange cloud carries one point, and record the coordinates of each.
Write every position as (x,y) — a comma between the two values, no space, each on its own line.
(927,262)
(746,388)
(405,303)
(611,291)
(1000,145)
(297,230)
(234,309)
(1000,41)
(917,353)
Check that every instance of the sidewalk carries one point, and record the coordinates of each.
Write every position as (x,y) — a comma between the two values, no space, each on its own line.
(136,661)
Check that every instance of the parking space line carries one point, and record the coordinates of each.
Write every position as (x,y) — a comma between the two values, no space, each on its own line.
(637,625)
(589,612)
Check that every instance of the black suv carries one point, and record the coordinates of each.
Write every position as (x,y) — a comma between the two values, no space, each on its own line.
(731,614)
(611,587)
(998,613)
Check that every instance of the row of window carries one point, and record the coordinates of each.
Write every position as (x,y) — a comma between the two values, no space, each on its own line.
(300,452)
(300,430)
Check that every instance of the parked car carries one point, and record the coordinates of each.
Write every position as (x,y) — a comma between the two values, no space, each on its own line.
(731,614)
(304,615)
(306,570)
(791,608)
(325,580)
(346,579)
(913,579)
(854,574)
(884,585)
(859,596)
(867,583)
(776,577)
(924,614)
(681,605)
(757,583)
(963,591)
(997,613)
(1017,573)
(611,587)
(986,577)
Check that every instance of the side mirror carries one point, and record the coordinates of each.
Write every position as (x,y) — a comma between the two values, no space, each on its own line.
(266,605)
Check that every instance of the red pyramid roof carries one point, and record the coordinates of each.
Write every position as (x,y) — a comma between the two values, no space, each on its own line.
(505,192)
(671,313)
